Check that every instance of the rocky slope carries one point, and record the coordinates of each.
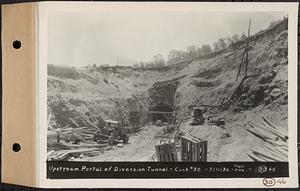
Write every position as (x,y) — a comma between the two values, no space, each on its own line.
(85,96)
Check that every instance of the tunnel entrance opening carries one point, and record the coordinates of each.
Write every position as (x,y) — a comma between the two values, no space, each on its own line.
(161,111)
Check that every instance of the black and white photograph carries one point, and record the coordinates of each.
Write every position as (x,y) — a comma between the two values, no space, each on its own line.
(167,86)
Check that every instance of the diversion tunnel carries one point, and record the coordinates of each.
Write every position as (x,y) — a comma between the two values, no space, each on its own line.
(161,111)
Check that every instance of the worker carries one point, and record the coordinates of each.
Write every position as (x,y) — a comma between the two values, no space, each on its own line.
(110,137)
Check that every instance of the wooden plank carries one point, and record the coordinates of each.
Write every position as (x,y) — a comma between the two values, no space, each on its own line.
(272,152)
(195,152)
(193,149)
(175,152)
(190,154)
(270,158)
(200,151)
(160,112)
(191,138)
(169,152)
(205,151)
(268,128)
(183,149)
(157,153)
(256,158)
(162,153)
(269,122)
(166,151)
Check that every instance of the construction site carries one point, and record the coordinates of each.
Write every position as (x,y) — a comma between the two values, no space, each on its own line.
(228,105)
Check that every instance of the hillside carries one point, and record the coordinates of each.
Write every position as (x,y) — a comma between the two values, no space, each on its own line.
(85,96)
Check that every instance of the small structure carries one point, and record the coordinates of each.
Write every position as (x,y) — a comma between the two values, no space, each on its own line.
(198,118)
(166,151)
(161,111)
(193,149)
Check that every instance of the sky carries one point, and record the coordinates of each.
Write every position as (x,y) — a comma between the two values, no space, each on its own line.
(86,38)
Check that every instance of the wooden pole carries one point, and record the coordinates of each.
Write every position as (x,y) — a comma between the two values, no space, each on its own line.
(247,47)
(241,63)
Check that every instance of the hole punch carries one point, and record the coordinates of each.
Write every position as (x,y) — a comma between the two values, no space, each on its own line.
(16,147)
(17,44)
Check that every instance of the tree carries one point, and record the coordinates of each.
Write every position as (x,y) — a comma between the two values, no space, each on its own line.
(191,51)
(243,36)
(273,23)
(159,60)
(172,55)
(176,55)
(216,46)
(142,65)
(229,41)
(206,49)
(222,43)
(152,65)
(235,38)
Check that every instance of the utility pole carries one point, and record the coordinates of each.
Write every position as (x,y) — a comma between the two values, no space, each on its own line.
(246,68)
(245,54)
(118,61)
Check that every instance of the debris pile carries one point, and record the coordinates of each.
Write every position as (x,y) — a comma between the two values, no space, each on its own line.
(70,143)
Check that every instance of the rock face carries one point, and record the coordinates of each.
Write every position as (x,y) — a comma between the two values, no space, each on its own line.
(163,92)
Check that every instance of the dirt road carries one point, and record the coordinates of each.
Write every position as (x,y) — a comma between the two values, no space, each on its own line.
(140,148)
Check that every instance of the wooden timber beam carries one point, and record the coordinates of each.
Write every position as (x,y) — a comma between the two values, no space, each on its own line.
(161,112)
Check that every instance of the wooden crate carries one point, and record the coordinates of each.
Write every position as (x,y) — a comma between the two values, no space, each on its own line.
(193,149)
(166,151)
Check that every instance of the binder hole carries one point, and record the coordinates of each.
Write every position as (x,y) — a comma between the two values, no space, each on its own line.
(17,44)
(16,147)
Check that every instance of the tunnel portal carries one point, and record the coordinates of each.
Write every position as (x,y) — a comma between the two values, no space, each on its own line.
(162,111)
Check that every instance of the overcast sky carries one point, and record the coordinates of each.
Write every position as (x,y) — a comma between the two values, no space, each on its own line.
(83,38)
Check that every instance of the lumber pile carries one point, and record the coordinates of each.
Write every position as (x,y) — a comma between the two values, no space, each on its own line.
(82,133)
(275,139)
(72,154)
(74,143)
(68,134)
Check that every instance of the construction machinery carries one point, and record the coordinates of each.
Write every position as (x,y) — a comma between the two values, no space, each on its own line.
(198,118)
(113,133)
(159,123)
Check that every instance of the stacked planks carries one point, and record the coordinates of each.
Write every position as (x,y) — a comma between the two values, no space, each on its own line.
(65,150)
(166,151)
(71,154)
(83,134)
(275,139)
